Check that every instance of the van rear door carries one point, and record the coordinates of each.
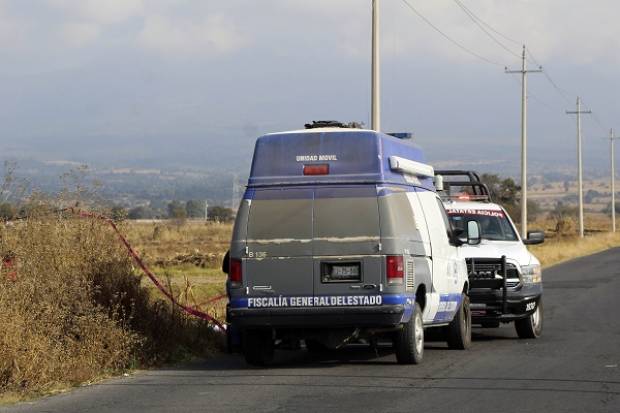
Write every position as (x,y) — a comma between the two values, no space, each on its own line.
(346,241)
(279,243)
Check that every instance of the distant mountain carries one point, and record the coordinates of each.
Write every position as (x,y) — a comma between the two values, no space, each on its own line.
(156,168)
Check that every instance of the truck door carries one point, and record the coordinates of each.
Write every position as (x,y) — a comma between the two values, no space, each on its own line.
(279,243)
(445,296)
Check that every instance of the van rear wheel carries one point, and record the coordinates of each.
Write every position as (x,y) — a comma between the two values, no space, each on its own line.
(409,341)
(315,346)
(459,330)
(531,326)
(258,347)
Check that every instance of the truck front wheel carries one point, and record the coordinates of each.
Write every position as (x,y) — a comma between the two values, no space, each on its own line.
(258,347)
(459,330)
(531,326)
(409,341)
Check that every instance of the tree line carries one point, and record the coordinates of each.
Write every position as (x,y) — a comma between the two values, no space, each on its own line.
(178,210)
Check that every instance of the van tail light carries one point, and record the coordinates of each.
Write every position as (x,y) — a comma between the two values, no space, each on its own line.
(395,269)
(320,169)
(235,274)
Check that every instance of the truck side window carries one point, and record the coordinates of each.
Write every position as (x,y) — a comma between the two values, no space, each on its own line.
(446,220)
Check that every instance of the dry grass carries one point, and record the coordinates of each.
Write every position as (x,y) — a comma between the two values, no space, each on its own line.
(563,244)
(161,242)
(188,256)
(555,251)
(72,308)
(164,240)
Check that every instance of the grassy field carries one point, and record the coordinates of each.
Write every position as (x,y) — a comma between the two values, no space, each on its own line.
(189,256)
(557,250)
(563,244)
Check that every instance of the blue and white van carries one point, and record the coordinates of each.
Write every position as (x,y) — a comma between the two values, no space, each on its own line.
(341,237)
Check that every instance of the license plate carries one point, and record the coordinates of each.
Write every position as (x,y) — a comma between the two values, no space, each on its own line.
(341,272)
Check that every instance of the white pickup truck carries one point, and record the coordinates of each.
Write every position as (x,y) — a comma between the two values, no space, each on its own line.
(505,278)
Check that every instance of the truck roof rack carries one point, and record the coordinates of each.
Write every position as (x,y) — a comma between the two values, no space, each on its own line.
(333,124)
(464,179)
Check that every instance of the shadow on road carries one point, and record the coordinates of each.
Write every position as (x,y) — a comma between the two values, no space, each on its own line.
(356,354)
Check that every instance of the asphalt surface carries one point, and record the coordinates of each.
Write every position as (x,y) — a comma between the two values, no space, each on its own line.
(573,367)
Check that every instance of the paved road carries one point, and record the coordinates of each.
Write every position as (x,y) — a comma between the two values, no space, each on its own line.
(574,367)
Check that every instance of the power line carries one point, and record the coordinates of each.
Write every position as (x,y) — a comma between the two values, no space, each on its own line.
(562,92)
(532,96)
(598,121)
(478,22)
(450,39)
(483,25)
(565,94)
(595,117)
(491,27)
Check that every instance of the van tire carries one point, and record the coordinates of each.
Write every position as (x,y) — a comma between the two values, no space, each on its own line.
(409,340)
(315,347)
(258,347)
(459,330)
(531,326)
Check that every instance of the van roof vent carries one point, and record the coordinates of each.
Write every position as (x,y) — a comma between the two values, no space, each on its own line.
(333,124)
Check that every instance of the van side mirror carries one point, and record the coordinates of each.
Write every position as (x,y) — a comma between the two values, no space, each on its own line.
(438,181)
(473,232)
(534,237)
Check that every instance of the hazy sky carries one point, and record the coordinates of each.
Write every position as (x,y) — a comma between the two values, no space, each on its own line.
(223,72)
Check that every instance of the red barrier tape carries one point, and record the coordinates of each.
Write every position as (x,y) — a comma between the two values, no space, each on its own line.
(213,299)
(190,310)
(8,263)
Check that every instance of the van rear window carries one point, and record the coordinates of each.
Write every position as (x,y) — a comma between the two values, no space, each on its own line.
(281,215)
(292,221)
(351,213)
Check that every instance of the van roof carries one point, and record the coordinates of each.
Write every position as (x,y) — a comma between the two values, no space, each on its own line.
(321,130)
(351,156)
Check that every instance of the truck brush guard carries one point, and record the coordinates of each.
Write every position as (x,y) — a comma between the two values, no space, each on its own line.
(489,273)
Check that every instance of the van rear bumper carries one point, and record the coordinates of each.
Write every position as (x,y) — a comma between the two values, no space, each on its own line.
(378,317)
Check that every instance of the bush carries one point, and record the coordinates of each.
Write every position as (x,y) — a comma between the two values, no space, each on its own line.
(564,219)
(195,208)
(6,211)
(607,209)
(221,214)
(72,309)
(141,212)
(118,213)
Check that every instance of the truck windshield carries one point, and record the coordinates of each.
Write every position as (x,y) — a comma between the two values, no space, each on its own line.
(494,225)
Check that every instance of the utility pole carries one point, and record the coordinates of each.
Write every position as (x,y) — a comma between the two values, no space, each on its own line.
(578,112)
(524,71)
(612,139)
(206,210)
(375,121)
